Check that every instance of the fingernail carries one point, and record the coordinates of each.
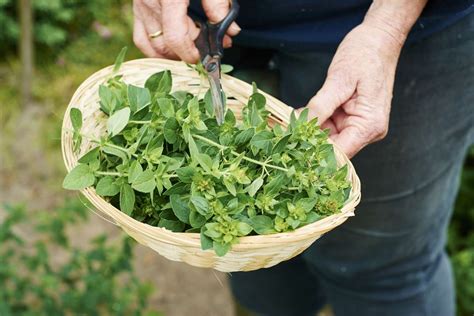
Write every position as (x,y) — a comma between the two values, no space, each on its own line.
(235,28)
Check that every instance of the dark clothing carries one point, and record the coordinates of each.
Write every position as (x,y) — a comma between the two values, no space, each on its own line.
(389,259)
(301,25)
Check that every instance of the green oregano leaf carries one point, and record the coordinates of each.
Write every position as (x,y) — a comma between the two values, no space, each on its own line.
(117,122)
(208,103)
(206,242)
(185,174)
(79,178)
(276,184)
(262,140)
(230,186)
(138,98)
(127,199)
(244,136)
(221,248)
(108,101)
(144,182)
(115,152)
(76,119)
(171,130)
(255,186)
(196,220)
(180,208)
(262,224)
(90,156)
(244,228)
(173,225)
(200,204)
(281,144)
(205,161)
(166,107)
(107,187)
(226,68)
(307,203)
(159,83)
(135,171)
(119,59)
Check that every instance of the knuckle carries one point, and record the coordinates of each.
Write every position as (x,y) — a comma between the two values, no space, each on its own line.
(137,40)
(339,74)
(362,132)
(379,130)
(162,49)
(221,8)
(173,40)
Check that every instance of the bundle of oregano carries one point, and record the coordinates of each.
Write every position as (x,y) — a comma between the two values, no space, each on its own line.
(165,162)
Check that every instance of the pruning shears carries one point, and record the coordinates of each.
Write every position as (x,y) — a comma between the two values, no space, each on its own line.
(210,46)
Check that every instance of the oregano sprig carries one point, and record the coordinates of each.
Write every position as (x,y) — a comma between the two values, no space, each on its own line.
(166,162)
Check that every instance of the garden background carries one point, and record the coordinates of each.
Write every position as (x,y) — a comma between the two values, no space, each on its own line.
(55,255)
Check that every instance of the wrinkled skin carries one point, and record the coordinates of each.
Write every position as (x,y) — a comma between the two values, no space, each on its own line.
(354,102)
(179,30)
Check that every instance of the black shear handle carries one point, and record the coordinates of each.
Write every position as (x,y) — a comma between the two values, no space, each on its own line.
(210,39)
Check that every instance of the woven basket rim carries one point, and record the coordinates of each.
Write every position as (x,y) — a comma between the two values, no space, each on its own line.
(193,239)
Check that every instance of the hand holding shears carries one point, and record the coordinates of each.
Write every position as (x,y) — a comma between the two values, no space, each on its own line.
(211,50)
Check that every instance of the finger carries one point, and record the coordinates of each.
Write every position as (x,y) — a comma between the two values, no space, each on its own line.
(216,11)
(160,47)
(227,42)
(141,40)
(176,30)
(332,94)
(152,25)
(193,29)
(340,117)
(350,141)
(158,43)
(329,124)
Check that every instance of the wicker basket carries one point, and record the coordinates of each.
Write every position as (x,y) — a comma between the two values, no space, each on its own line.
(252,252)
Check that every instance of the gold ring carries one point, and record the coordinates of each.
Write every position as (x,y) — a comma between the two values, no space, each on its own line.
(156,34)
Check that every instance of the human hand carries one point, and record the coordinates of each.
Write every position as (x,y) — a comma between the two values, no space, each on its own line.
(354,102)
(178,29)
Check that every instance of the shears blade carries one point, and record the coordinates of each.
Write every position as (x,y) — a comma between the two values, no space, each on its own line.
(213,68)
(210,46)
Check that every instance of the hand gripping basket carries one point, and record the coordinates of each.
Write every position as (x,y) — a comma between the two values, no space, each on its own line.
(252,252)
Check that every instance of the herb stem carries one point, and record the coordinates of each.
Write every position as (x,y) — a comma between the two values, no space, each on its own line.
(121,149)
(222,147)
(118,174)
(170,176)
(96,141)
(109,173)
(293,188)
(116,147)
(139,122)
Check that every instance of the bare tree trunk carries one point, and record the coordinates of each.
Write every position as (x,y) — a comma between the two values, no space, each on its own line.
(26,50)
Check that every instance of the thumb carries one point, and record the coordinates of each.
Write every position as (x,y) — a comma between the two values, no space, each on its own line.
(350,141)
(331,95)
(216,10)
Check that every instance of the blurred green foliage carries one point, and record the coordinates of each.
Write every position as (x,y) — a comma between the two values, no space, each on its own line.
(57,22)
(86,283)
(461,240)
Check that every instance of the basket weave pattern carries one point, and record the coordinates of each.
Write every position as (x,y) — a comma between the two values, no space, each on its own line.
(252,252)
